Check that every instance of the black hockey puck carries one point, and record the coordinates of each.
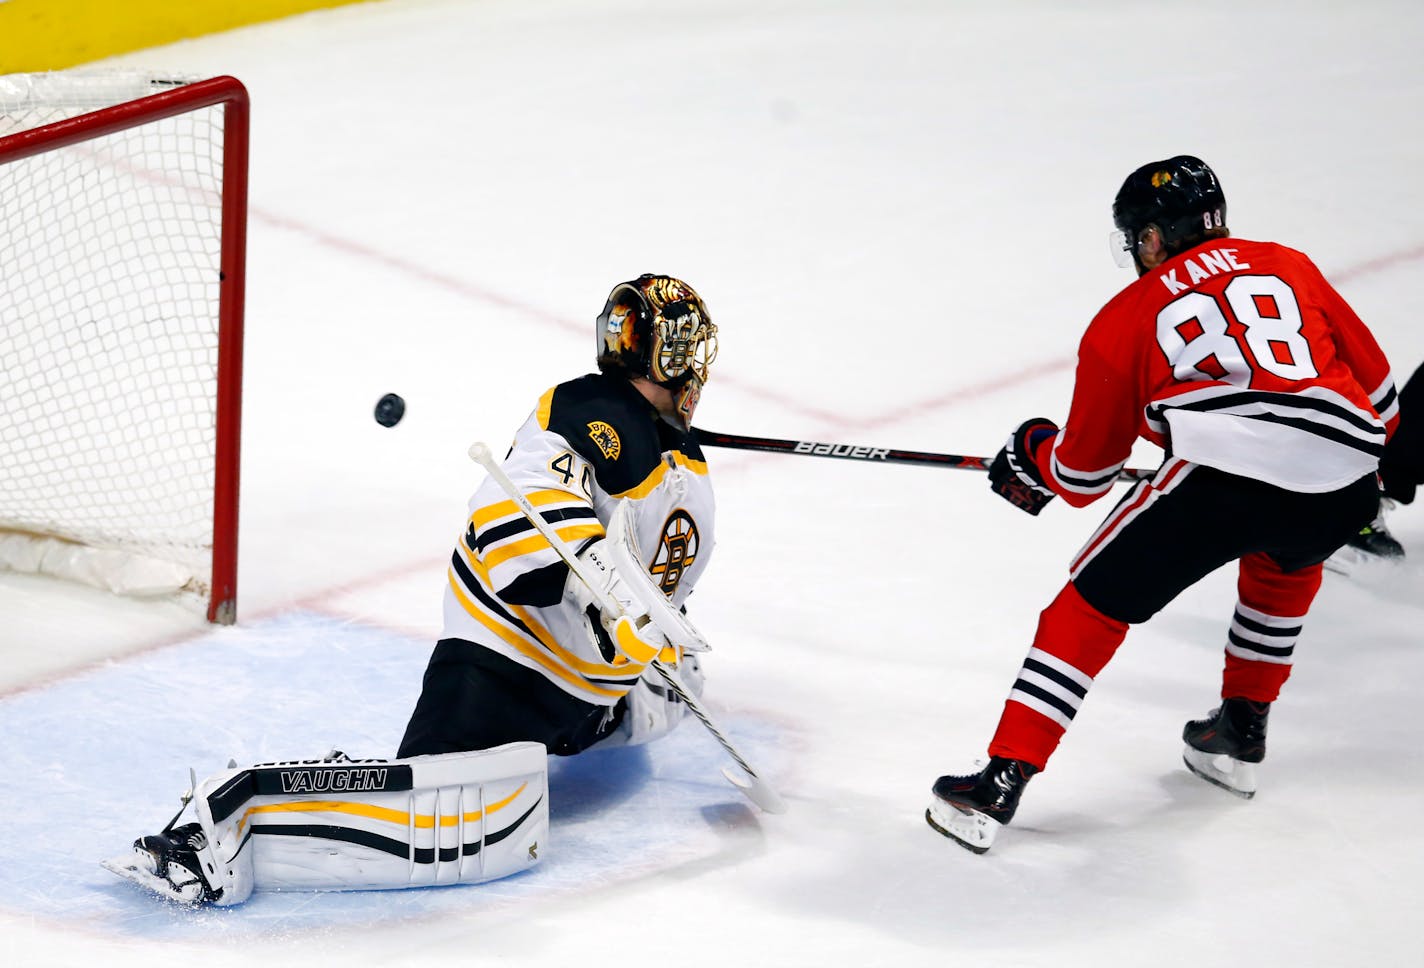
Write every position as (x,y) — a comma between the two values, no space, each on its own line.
(389,410)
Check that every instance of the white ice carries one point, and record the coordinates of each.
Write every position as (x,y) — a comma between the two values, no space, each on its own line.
(897,213)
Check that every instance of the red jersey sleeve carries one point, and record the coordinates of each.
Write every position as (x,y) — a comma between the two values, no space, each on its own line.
(1082,462)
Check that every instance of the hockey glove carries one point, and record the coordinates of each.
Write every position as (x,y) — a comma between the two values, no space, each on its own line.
(626,624)
(1014,475)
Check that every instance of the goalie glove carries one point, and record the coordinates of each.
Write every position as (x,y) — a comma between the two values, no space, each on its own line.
(1015,475)
(616,603)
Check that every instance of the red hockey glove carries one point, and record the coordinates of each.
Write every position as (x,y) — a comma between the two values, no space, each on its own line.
(1013,474)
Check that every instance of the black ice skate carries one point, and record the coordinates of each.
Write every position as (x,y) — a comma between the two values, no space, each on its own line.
(169,864)
(1225,747)
(971,809)
(1374,541)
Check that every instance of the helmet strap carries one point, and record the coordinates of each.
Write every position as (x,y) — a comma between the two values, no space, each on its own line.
(685,398)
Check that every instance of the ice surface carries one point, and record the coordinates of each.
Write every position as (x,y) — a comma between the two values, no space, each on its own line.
(897,213)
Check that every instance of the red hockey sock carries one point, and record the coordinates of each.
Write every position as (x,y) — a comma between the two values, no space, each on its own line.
(1073,643)
(1270,613)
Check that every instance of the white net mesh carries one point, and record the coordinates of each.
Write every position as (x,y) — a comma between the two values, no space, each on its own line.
(109,289)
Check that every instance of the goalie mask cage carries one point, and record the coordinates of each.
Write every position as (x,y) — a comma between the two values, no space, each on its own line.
(123,203)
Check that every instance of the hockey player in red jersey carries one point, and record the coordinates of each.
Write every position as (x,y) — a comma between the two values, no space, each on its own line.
(1272,402)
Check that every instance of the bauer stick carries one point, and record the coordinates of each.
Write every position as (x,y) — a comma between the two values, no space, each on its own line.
(881,455)
(756,789)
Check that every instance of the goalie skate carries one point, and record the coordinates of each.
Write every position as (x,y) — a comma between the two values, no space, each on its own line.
(166,864)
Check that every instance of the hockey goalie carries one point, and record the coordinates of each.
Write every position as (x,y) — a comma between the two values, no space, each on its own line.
(541,653)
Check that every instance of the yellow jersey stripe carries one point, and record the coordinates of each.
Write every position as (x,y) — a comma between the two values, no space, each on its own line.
(650,483)
(535,543)
(528,649)
(546,404)
(546,638)
(503,509)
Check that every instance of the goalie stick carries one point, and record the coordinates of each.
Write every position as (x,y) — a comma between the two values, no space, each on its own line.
(756,789)
(882,455)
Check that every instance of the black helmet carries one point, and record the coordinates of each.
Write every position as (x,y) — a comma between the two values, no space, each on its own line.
(1181,196)
(657,327)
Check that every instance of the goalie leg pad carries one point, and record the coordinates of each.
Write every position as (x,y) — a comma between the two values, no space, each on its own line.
(454,818)
(340,824)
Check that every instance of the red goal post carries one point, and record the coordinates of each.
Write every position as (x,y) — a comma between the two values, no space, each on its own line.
(123,204)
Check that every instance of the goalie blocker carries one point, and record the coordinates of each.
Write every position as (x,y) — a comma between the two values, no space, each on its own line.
(341,824)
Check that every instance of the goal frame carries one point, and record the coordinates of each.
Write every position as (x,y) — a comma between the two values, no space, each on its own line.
(231,95)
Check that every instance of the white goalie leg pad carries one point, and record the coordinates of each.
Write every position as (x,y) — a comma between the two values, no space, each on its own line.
(454,818)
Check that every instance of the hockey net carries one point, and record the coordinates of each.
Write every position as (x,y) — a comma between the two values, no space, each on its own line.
(123,214)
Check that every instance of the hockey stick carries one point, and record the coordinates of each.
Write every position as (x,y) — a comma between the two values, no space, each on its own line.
(756,789)
(882,455)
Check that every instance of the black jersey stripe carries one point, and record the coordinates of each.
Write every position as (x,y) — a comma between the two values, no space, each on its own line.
(471,584)
(477,589)
(1373,447)
(1076,480)
(1276,402)
(521,525)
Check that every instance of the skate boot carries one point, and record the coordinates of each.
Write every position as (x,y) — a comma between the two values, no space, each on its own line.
(169,864)
(1374,541)
(1225,747)
(970,809)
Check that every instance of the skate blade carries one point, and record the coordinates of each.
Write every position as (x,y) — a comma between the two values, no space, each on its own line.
(1218,769)
(132,867)
(968,828)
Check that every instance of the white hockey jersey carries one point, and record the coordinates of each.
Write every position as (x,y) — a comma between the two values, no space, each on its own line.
(589,444)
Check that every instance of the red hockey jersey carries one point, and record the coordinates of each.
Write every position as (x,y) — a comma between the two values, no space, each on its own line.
(1237,355)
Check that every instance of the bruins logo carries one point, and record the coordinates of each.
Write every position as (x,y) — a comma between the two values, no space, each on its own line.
(677,550)
(606,438)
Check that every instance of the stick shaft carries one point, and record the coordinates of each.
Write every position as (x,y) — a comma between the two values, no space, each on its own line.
(877,455)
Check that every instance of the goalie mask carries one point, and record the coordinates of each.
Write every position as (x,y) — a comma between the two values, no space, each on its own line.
(657,327)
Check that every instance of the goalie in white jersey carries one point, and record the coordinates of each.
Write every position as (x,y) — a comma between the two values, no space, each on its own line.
(525,655)
(527,662)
